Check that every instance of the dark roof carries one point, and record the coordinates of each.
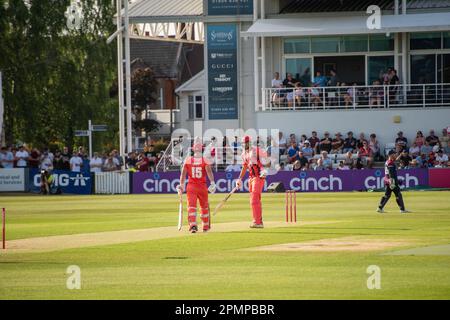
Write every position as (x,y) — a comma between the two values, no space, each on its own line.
(160,56)
(298,6)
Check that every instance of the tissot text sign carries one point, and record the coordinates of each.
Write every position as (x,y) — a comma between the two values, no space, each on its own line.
(229,7)
(222,72)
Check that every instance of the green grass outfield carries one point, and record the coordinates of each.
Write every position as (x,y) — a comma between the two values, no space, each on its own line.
(213,265)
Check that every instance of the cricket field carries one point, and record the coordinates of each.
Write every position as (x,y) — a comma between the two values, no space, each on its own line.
(128,247)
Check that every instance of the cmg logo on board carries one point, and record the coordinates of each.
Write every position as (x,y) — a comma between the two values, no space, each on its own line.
(64,180)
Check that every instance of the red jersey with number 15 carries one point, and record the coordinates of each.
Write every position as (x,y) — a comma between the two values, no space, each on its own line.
(196,170)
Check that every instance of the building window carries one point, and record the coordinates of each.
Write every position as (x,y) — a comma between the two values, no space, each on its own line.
(325,44)
(423,68)
(377,67)
(379,42)
(426,40)
(297,45)
(195,107)
(300,68)
(354,43)
(446,40)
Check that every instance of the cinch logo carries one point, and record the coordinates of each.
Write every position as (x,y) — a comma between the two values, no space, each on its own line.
(408,181)
(160,186)
(79,180)
(330,183)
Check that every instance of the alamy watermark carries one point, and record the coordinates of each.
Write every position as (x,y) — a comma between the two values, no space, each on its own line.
(374,279)
(73,281)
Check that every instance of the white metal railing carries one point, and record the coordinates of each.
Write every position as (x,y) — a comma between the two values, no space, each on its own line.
(356,97)
(112,182)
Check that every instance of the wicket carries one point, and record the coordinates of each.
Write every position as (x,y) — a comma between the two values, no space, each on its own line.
(291,206)
(4,228)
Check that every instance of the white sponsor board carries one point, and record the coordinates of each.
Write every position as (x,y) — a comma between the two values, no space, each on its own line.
(12,180)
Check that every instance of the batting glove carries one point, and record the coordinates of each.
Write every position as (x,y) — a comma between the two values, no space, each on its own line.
(180,188)
(239,183)
(212,188)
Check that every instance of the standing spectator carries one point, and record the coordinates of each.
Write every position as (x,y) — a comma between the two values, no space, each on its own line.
(6,158)
(130,161)
(334,80)
(375,146)
(58,162)
(325,143)
(394,81)
(314,140)
(405,159)
(119,159)
(432,139)
(307,151)
(282,143)
(361,140)
(76,162)
(441,159)
(22,157)
(143,163)
(293,152)
(65,159)
(414,150)
(420,139)
(96,163)
(365,153)
(444,141)
(151,155)
(349,143)
(35,159)
(110,164)
(401,141)
(277,83)
(46,162)
(319,80)
(337,144)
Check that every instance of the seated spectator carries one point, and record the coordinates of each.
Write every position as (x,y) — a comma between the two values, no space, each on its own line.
(444,141)
(292,138)
(142,164)
(295,95)
(359,162)
(303,161)
(349,143)
(6,158)
(375,147)
(96,163)
(292,153)
(303,138)
(307,151)
(46,162)
(290,81)
(361,140)
(432,139)
(426,148)
(349,161)
(325,143)
(337,144)
(21,157)
(235,167)
(421,160)
(366,155)
(343,166)
(401,141)
(404,159)
(419,140)
(297,166)
(76,163)
(324,163)
(314,140)
(350,95)
(414,150)
(431,160)
(441,159)
(414,164)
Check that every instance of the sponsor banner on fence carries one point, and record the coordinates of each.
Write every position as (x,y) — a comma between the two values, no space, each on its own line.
(302,181)
(12,180)
(439,178)
(67,181)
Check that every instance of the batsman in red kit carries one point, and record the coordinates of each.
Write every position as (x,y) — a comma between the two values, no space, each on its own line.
(197,168)
(253,159)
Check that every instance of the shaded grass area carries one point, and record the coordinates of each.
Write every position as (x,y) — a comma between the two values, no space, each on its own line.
(213,266)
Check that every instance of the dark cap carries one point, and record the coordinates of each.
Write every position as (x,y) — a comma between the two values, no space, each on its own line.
(391,152)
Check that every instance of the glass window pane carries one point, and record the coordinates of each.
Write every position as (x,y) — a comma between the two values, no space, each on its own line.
(377,67)
(198,98)
(325,44)
(379,42)
(423,68)
(199,110)
(446,40)
(296,45)
(191,107)
(300,68)
(426,40)
(446,68)
(354,43)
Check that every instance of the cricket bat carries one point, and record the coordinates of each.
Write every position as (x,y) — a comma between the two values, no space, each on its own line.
(222,203)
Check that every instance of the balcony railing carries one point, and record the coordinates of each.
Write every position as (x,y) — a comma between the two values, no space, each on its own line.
(356,97)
